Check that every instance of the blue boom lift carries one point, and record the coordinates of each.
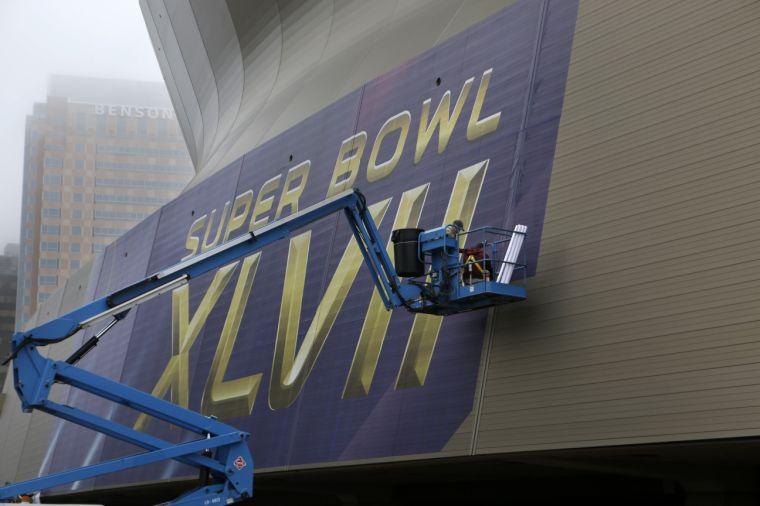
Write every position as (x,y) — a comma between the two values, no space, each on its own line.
(221,452)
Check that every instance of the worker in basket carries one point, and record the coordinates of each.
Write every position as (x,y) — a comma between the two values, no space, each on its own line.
(477,265)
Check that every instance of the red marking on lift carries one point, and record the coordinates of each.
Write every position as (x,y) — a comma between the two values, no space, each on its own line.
(240,463)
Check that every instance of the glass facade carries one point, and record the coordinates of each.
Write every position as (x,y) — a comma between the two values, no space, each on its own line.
(49,263)
(108,231)
(51,196)
(102,214)
(53,163)
(143,167)
(91,172)
(130,199)
(50,229)
(52,179)
(49,280)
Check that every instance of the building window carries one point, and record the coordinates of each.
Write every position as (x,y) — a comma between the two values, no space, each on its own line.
(53,163)
(76,214)
(108,232)
(78,197)
(49,246)
(131,199)
(97,248)
(74,265)
(138,183)
(143,167)
(78,180)
(51,212)
(49,280)
(42,297)
(101,125)
(49,263)
(79,147)
(81,124)
(76,230)
(79,164)
(75,247)
(51,196)
(109,149)
(51,229)
(53,179)
(100,214)
(142,127)
(121,126)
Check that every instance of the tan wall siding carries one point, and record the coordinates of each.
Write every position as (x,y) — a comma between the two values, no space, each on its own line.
(643,322)
(25,437)
(41,425)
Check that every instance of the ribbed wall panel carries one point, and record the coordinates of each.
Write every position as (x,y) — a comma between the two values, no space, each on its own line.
(642,322)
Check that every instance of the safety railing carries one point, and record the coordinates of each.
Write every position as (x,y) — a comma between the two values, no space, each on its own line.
(485,255)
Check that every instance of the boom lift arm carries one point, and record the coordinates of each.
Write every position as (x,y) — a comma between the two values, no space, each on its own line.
(221,451)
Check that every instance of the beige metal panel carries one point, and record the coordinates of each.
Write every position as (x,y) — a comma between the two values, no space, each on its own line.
(462,441)
(13,424)
(17,428)
(642,323)
(11,411)
(29,441)
(76,290)
(42,426)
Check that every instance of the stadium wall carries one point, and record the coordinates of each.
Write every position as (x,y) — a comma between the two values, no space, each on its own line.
(641,324)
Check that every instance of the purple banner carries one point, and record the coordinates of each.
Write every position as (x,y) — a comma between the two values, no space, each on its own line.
(288,344)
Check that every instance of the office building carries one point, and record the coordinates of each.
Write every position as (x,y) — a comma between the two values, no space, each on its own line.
(101,155)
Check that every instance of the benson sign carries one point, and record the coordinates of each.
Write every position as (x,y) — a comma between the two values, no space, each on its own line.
(292,343)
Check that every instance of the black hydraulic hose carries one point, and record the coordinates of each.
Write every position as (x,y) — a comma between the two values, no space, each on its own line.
(92,342)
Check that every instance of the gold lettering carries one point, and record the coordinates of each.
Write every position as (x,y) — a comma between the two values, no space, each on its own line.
(400,122)
(376,321)
(194,241)
(233,398)
(347,165)
(264,202)
(441,120)
(290,196)
(175,377)
(479,127)
(222,219)
(424,333)
(237,219)
(291,368)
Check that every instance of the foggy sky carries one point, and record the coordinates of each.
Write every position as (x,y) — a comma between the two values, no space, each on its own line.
(73,37)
